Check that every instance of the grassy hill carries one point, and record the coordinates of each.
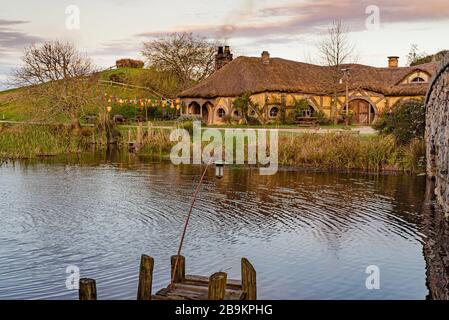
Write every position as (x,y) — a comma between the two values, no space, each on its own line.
(13,107)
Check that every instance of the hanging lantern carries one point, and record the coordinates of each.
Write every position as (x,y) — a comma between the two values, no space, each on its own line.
(178,101)
(109,109)
(219,169)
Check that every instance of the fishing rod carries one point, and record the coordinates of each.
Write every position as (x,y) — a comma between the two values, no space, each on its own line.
(219,174)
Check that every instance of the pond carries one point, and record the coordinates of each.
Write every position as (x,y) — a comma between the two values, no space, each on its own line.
(309,235)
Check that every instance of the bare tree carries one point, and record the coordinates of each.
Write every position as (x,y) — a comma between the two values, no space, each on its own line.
(59,79)
(336,49)
(187,57)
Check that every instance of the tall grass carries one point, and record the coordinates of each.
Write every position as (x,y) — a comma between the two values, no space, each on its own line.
(31,141)
(330,151)
(325,151)
(157,144)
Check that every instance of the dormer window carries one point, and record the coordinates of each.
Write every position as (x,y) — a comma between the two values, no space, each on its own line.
(418,79)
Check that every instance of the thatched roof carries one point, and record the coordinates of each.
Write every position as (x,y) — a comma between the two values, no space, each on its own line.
(249,75)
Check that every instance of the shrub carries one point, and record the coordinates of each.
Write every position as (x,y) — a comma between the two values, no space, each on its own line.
(129,111)
(322,119)
(129,63)
(405,122)
(186,122)
(118,77)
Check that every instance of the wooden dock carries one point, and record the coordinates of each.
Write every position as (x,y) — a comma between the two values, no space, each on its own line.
(186,287)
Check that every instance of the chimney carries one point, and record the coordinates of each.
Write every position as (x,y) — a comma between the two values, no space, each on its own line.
(222,57)
(265,57)
(393,62)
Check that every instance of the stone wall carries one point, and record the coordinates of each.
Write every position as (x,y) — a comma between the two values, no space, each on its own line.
(436,246)
(437,134)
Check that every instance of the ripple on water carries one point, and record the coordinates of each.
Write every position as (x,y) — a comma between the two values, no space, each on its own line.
(309,235)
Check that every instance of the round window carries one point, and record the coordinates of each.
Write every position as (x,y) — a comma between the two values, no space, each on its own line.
(221,113)
(274,112)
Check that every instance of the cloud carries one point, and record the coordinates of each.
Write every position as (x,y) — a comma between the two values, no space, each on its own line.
(310,16)
(12,42)
(4,22)
(12,39)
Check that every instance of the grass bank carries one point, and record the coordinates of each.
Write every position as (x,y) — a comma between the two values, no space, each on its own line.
(328,151)
(316,151)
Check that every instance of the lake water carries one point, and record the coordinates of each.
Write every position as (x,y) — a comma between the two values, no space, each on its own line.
(309,235)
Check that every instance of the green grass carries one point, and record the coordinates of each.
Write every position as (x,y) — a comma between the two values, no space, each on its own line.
(31,141)
(13,107)
(9,91)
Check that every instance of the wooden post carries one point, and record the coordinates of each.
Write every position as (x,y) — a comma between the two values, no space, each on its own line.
(150,130)
(139,135)
(178,268)
(217,286)
(249,285)
(87,289)
(145,278)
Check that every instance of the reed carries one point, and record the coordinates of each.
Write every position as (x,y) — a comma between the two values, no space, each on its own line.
(317,151)
(351,152)
(330,151)
(31,141)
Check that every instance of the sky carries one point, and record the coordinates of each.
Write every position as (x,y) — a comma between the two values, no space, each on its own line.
(107,30)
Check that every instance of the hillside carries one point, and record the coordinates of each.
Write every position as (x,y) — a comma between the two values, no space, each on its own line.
(123,83)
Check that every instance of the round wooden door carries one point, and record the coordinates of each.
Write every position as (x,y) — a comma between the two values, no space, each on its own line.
(362,111)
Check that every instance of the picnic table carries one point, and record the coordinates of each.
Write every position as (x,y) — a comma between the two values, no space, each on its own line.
(307,121)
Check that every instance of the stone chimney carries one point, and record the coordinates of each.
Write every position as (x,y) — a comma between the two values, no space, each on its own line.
(265,57)
(222,57)
(393,62)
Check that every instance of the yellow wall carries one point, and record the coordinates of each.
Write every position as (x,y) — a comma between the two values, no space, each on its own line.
(320,103)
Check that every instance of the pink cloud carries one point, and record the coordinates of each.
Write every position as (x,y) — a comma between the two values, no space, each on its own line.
(311,15)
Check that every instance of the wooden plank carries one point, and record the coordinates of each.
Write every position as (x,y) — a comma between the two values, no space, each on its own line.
(204,281)
(231,294)
(181,294)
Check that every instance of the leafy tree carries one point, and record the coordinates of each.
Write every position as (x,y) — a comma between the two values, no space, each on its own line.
(406,122)
(243,105)
(246,106)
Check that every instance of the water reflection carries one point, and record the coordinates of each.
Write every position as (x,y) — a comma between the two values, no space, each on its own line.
(436,247)
(309,235)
